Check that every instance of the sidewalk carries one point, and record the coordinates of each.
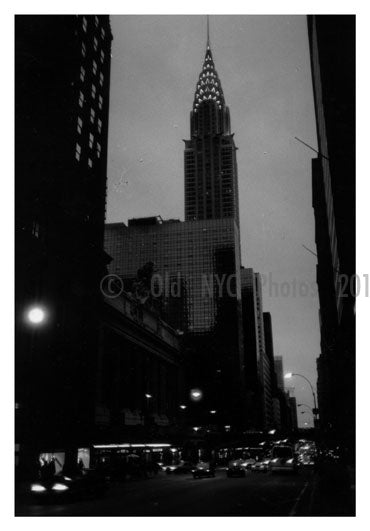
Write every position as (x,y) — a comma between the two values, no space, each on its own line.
(332,492)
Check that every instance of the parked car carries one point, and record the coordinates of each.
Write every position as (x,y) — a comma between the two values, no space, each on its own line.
(283,459)
(204,470)
(61,487)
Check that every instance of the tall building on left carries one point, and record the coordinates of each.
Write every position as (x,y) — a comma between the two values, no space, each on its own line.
(62,76)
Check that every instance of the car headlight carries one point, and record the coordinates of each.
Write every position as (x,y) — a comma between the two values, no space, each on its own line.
(290,461)
(37,488)
(60,487)
(66,478)
(275,460)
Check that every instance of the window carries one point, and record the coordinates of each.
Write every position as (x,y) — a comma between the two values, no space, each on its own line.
(93,90)
(99,125)
(102,55)
(81,99)
(92,115)
(89,162)
(79,124)
(91,140)
(101,79)
(102,33)
(84,24)
(95,67)
(83,49)
(96,21)
(78,151)
(98,150)
(95,43)
(100,102)
(82,73)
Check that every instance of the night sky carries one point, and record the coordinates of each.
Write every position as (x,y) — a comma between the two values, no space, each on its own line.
(263,65)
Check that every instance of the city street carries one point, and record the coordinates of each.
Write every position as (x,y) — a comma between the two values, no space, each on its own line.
(257,494)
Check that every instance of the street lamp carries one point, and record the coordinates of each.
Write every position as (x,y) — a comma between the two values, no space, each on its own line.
(315,410)
(36,315)
(213,412)
(182,406)
(196,395)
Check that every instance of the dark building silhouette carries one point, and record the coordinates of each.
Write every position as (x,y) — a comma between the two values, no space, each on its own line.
(258,369)
(332,49)
(211,177)
(279,371)
(197,281)
(62,77)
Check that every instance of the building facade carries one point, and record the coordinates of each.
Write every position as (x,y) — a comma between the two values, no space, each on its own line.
(62,75)
(211,176)
(196,281)
(332,50)
(257,358)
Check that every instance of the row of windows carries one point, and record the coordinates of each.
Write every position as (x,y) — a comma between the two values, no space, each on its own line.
(84,50)
(81,98)
(78,150)
(96,20)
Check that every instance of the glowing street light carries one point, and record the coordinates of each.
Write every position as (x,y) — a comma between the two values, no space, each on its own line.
(147,395)
(196,395)
(213,412)
(36,315)
(182,406)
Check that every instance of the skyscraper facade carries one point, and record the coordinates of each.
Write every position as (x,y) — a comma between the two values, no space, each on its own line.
(62,73)
(211,177)
(279,371)
(332,51)
(256,358)
(196,266)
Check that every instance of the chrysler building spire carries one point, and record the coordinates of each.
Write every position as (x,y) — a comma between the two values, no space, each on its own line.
(211,176)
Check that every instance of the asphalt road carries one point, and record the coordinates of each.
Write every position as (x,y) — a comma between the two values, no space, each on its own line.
(257,494)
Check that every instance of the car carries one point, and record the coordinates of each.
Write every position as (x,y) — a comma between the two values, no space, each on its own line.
(236,468)
(63,487)
(283,459)
(261,466)
(203,470)
(184,467)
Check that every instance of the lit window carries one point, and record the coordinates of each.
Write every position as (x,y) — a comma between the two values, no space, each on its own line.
(92,115)
(99,125)
(95,43)
(84,23)
(102,55)
(78,151)
(81,99)
(82,73)
(100,102)
(93,90)
(91,140)
(98,150)
(79,124)
(89,162)
(95,67)
(102,33)
(83,49)
(101,79)
(96,21)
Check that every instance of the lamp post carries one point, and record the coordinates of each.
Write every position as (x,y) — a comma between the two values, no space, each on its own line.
(314,410)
